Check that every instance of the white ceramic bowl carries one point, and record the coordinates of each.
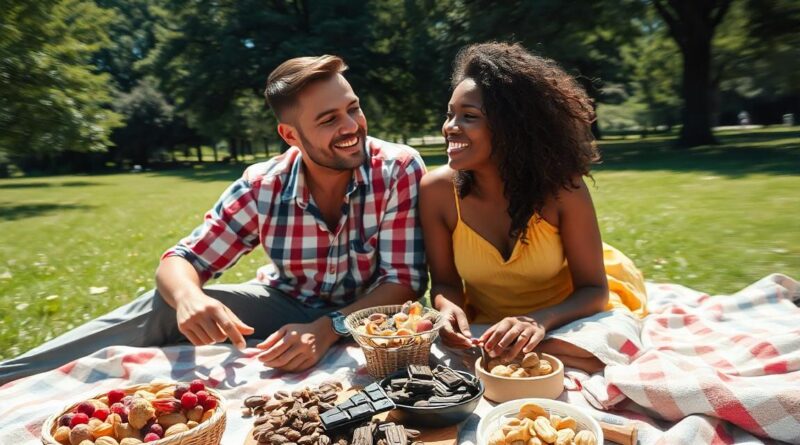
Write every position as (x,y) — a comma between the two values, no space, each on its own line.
(498,416)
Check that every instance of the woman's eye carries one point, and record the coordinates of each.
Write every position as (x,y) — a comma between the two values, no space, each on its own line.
(449,115)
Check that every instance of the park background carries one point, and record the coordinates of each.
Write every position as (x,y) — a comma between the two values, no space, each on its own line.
(121,122)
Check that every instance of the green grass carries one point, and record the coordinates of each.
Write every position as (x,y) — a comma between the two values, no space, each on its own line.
(712,218)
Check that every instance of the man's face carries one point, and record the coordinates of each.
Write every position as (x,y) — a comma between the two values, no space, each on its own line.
(327,124)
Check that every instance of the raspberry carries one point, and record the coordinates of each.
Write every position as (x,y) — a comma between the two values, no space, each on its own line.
(196,386)
(201,396)
(180,390)
(151,437)
(65,419)
(77,419)
(115,395)
(189,400)
(156,429)
(121,410)
(101,414)
(209,403)
(85,408)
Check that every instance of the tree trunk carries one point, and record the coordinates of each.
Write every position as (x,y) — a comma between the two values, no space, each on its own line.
(199,153)
(216,153)
(697,93)
(266,147)
(233,148)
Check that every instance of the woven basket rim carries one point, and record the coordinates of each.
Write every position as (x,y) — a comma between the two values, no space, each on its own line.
(393,308)
(219,414)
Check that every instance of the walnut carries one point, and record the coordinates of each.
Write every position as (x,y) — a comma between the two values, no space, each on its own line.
(141,411)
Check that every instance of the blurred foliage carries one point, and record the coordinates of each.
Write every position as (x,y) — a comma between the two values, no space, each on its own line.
(138,80)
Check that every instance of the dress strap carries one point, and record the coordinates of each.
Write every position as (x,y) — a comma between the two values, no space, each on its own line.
(458,206)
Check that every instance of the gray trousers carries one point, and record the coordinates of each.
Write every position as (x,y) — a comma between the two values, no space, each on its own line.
(150,321)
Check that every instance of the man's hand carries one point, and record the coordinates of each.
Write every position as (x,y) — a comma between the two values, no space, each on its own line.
(455,332)
(511,335)
(298,346)
(204,321)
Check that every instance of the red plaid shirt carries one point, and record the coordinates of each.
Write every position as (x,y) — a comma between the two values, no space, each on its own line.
(378,239)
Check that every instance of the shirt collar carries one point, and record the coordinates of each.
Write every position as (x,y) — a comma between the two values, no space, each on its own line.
(296,180)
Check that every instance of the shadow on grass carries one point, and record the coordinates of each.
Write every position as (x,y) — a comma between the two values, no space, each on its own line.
(13,212)
(30,185)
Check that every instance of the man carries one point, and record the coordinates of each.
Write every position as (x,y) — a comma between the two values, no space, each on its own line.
(336,213)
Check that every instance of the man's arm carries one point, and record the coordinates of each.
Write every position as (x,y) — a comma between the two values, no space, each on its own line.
(229,231)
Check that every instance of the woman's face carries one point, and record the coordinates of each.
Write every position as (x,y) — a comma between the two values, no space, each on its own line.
(466,130)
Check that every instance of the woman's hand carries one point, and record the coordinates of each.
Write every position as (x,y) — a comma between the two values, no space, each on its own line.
(455,332)
(512,335)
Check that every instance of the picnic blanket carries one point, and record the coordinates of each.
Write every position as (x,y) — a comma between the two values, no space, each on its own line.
(703,369)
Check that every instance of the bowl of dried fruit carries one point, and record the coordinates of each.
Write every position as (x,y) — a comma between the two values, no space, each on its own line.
(528,375)
(539,421)
(162,413)
(394,336)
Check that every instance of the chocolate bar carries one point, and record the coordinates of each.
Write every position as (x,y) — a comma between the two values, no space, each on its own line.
(421,372)
(358,408)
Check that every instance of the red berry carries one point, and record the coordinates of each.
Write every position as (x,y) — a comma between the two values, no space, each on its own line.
(85,408)
(156,429)
(101,413)
(78,419)
(180,390)
(196,386)
(121,410)
(201,396)
(115,395)
(189,400)
(151,437)
(209,403)
(66,419)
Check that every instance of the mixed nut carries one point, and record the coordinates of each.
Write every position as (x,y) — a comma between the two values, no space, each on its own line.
(533,425)
(411,320)
(521,366)
(119,418)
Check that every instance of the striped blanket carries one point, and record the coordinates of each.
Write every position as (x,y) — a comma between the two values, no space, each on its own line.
(703,369)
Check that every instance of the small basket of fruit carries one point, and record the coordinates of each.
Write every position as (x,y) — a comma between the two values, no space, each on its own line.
(395,336)
(161,413)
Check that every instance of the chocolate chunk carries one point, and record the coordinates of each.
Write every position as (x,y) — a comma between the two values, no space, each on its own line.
(396,435)
(382,405)
(334,418)
(419,386)
(397,383)
(448,399)
(440,389)
(449,378)
(422,372)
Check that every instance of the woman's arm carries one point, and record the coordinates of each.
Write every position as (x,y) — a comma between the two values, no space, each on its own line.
(583,249)
(447,291)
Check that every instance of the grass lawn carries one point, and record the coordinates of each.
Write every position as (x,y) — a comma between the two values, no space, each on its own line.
(712,218)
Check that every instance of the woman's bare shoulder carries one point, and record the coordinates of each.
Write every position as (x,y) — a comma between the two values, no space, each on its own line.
(438,181)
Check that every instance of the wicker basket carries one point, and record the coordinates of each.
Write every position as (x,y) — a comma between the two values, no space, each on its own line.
(387,354)
(208,432)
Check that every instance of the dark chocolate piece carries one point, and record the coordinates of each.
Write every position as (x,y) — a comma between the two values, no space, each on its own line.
(422,372)
(447,399)
(419,386)
(449,378)
(398,383)
(334,418)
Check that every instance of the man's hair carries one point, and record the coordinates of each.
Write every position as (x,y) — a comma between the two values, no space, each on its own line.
(288,80)
(540,119)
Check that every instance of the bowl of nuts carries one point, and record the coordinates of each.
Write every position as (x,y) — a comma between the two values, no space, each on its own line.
(538,421)
(394,336)
(527,375)
(159,412)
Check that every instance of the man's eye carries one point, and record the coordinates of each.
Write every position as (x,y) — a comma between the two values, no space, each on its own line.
(327,121)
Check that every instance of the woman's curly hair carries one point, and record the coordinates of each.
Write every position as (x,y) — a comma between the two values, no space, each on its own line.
(540,120)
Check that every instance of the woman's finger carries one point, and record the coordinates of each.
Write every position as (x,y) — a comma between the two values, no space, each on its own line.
(533,342)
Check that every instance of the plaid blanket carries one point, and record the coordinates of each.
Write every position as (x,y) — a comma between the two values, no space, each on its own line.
(704,370)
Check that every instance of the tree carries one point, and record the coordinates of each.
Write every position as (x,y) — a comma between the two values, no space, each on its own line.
(52,99)
(692,23)
(148,118)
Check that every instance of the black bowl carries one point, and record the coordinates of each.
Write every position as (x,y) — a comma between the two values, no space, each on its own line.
(438,416)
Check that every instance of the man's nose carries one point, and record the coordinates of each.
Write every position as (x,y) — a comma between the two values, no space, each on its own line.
(349,125)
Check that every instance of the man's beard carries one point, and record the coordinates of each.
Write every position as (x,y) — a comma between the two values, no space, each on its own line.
(335,161)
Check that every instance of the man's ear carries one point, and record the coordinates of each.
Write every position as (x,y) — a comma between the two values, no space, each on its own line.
(289,134)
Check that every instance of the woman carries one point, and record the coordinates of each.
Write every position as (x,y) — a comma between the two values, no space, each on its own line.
(510,216)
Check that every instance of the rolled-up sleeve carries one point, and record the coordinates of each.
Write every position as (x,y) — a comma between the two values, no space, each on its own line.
(230,230)
(400,244)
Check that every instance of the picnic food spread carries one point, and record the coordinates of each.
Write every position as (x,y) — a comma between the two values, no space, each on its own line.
(533,425)
(412,319)
(146,413)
